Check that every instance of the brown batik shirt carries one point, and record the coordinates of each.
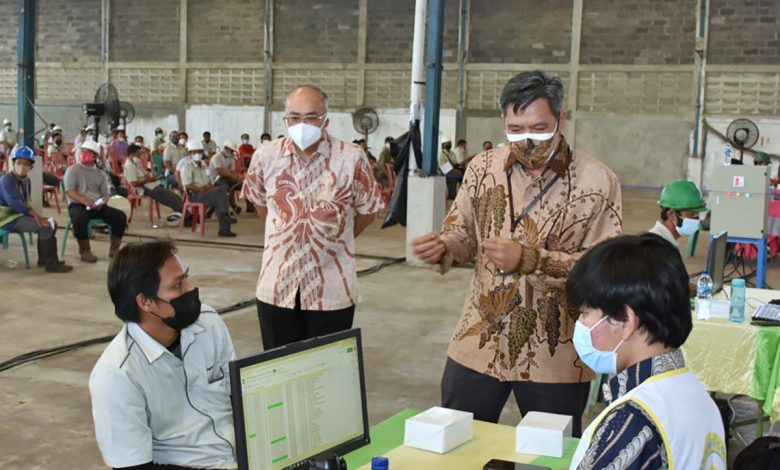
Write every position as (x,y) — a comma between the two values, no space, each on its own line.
(519,326)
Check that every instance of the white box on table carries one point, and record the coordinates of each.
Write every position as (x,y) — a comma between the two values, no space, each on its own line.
(439,429)
(542,434)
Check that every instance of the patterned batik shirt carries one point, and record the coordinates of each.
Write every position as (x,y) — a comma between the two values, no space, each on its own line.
(627,439)
(309,230)
(519,327)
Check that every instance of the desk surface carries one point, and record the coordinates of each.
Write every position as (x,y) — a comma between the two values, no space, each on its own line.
(491,441)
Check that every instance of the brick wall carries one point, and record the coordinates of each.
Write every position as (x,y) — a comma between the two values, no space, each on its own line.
(390,31)
(638,32)
(9,33)
(144,31)
(520,31)
(68,30)
(225,31)
(744,32)
(315,30)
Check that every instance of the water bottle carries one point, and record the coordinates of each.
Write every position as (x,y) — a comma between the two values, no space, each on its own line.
(728,150)
(380,463)
(703,296)
(737,301)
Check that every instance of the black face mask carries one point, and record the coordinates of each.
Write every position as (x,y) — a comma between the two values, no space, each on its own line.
(186,309)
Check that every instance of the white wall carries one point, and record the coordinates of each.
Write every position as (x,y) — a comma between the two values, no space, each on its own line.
(145,126)
(225,122)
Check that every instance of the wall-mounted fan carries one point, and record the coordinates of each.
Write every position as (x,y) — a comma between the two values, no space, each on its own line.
(743,134)
(365,121)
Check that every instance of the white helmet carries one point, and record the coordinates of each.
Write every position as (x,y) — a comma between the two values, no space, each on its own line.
(193,146)
(6,121)
(90,144)
(446,140)
(230,143)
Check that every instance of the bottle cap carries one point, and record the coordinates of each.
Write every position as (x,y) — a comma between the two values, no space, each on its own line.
(380,463)
(737,283)
(704,271)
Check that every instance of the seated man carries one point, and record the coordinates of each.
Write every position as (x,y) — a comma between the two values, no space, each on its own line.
(16,214)
(199,188)
(174,152)
(87,189)
(146,184)
(222,169)
(681,202)
(632,296)
(160,390)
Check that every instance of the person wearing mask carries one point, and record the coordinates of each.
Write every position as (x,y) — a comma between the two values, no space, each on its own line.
(161,389)
(159,138)
(145,183)
(17,214)
(385,157)
(526,212)
(175,151)
(118,145)
(209,146)
(316,194)
(7,138)
(681,203)
(222,169)
(87,189)
(55,147)
(449,166)
(245,148)
(265,137)
(631,294)
(80,137)
(459,152)
(196,182)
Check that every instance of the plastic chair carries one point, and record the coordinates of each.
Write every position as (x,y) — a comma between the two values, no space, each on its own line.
(90,226)
(198,210)
(4,235)
(136,201)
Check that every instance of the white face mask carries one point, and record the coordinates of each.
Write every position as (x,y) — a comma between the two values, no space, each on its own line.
(245,141)
(529,135)
(183,142)
(304,135)
(197,157)
(137,160)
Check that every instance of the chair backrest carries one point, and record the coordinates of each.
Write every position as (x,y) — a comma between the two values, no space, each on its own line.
(390,172)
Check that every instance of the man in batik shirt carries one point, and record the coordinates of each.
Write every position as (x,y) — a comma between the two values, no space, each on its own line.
(527,211)
(316,194)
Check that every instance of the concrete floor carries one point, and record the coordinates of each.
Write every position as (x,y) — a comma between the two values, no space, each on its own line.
(407,315)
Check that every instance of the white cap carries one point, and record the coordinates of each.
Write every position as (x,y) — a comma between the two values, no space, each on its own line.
(57,129)
(90,127)
(230,143)
(446,140)
(90,144)
(6,121)
(194,145)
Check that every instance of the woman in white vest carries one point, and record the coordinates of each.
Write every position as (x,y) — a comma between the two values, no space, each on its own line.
(635,313)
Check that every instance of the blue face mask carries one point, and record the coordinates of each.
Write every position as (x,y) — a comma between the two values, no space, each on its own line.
(688,227)
(602,362)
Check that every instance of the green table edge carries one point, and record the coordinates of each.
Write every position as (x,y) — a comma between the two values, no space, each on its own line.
(385,436)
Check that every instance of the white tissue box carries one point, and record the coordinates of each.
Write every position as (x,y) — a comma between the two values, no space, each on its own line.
(542,434)
(439,429)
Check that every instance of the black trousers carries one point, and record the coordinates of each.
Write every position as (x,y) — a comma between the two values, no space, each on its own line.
(468,390)
(280,326)
(166,197)
(80,217)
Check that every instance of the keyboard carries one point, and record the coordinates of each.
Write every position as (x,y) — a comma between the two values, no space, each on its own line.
(766,315)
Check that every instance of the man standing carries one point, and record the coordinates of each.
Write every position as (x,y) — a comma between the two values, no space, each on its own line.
(316,194)
(87,189)
(527,211)
(681,203)
(161,389)
(199,188)
(16,214)
(449,167)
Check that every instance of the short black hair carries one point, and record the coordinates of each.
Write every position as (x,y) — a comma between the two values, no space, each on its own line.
(389,139)
(132,148)
(264,135)
(526,87)
(136,270)
(207,133)
(461,141)
(644,272)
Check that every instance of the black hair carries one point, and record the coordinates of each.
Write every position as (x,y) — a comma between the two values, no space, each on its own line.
(132,148)
(207,133)
(242,135)
(264,135)
(389,139)
(136,270)
(526,87)
(182,133)
(644,272)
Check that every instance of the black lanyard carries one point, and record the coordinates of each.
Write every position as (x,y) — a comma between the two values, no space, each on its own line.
(534,201)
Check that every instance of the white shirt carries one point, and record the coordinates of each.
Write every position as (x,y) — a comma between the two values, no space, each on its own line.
(9,137)
(135,172)
(661,230)
(220,161)
(192,173)
(141,396)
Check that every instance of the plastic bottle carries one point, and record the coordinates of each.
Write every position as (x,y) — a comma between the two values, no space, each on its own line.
(703,296)
(380,463)
(728,150)
(737,301)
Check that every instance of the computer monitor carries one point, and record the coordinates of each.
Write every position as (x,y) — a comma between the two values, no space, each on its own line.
(296,401)
(716,259)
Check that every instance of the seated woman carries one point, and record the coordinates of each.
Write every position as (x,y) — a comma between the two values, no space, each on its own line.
(632,295)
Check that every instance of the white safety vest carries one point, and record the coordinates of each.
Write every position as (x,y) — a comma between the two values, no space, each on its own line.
(685,416)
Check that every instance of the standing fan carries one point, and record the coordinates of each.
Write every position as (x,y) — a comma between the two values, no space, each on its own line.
(126,113)
(743,134)
(105,109)
(365,121)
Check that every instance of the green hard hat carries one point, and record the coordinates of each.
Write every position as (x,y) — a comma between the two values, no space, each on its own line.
(682,195)
(761,157)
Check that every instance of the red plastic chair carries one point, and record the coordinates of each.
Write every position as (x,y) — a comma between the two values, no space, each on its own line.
(136,201)
(198,209)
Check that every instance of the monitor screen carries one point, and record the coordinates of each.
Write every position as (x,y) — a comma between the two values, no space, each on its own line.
(296,401)
(716,259)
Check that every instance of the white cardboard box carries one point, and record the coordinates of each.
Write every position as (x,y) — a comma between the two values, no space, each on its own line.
(542,434)
(439,429)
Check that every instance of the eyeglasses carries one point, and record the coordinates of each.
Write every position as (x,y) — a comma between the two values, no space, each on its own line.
(292,119)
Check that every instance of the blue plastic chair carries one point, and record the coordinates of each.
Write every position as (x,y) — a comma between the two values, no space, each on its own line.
(90,225)
(4,236)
